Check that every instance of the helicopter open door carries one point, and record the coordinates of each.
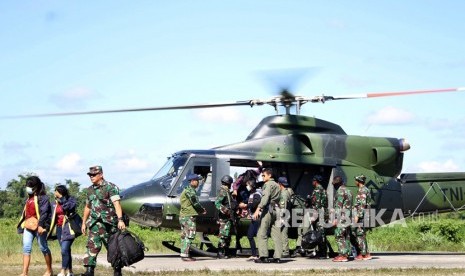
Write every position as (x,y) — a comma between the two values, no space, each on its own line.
(207,167)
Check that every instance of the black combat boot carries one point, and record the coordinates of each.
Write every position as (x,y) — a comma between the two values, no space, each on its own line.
(117,271)
(89,271)
(222,253)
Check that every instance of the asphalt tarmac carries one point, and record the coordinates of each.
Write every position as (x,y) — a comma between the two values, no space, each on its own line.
(168,262)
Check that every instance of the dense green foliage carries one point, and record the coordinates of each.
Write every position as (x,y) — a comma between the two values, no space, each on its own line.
(13,197)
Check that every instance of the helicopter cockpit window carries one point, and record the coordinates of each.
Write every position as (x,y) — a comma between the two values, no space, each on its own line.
(166,175)
(203,168)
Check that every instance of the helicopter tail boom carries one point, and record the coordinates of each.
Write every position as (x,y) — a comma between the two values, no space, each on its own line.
(431,192)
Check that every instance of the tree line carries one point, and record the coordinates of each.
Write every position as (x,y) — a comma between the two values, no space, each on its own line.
(12,199)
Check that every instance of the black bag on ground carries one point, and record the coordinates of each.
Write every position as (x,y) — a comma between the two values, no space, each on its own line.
(311,239)
(124,249)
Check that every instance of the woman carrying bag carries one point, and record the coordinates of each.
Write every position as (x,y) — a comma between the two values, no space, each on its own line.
(65,205)
(35,223)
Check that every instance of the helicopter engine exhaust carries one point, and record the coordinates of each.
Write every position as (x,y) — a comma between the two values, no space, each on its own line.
(404,145)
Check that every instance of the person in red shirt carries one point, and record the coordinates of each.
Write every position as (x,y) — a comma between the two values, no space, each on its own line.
(65,206)
(38,206)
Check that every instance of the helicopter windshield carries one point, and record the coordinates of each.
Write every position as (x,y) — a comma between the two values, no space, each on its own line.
(166,175)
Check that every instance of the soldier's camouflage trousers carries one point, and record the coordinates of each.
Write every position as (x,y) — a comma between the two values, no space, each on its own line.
(342,239)
(188,227)
(224,233)
(361,236)
(99,233)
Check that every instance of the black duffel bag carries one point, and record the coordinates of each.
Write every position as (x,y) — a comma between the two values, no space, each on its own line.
(124,249)
(311,239)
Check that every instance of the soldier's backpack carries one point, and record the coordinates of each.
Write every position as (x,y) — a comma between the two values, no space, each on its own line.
(311,239)
(125,249)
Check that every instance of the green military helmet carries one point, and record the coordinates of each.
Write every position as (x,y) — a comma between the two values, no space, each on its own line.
(227,180)
(361,178)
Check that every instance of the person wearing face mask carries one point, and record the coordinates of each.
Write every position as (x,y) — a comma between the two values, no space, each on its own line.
(35,223)
(64,206)
(252,204)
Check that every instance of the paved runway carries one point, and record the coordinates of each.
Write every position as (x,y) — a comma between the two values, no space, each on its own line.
(158,262)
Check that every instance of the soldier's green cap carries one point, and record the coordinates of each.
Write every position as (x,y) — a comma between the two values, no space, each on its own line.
(361,178)
(95,170)
(194,177)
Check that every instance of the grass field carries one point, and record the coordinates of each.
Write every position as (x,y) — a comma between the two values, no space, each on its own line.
(441,233)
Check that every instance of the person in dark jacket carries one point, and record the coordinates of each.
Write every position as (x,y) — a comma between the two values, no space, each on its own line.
(37,207)
(65,205)
(252,204)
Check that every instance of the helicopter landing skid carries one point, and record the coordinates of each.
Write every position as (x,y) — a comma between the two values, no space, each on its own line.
(206,248)
(211,251)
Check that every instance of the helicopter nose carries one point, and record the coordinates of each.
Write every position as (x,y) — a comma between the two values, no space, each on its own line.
(404,145)
(149,214)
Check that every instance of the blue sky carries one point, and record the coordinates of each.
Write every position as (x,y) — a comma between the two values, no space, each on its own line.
(61,56)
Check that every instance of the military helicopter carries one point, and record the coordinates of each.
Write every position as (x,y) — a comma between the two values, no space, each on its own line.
(297,147)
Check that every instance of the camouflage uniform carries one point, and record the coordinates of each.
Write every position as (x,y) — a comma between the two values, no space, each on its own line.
(362,202)
(319,204)
(190,208)
(284,203)
(103,220)
(223,204)
(342,208)
(271,194)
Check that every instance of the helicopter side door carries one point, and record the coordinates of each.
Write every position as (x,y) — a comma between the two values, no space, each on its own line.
(205,166)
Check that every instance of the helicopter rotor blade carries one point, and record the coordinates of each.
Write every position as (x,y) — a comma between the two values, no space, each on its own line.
(174,107)
(286,99)
(324,98)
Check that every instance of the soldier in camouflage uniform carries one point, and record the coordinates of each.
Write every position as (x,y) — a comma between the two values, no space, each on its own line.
(190,209)
(342,209)
(226,207)
(103,216)
(362,203)
(284,205)
(267,210)
(319,206)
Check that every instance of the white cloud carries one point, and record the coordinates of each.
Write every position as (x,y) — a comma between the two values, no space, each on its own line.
(390,115)
(435,166)
(129,161)
(69,163)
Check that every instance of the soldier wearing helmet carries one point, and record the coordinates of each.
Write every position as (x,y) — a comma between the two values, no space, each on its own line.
(362,203)
(226,207)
